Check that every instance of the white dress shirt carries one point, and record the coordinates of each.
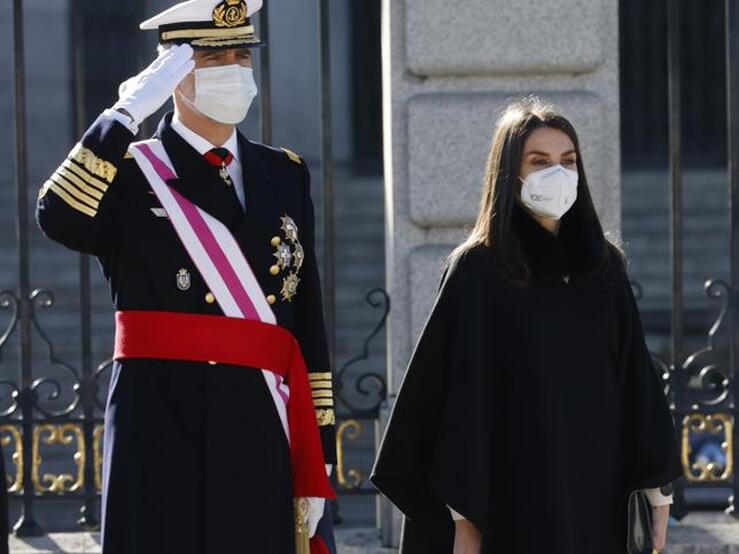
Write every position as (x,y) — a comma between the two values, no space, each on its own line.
(201,145)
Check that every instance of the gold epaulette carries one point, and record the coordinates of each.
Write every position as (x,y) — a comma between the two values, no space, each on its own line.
(292,155)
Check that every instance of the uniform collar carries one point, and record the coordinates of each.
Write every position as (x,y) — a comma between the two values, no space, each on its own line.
(201,144)
(194,174)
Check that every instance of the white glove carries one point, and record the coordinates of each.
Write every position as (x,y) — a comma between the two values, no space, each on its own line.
(316,507)
(145,93)
(315,513)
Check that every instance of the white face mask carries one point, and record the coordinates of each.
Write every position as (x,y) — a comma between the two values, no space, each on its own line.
(550,192)
(224,93)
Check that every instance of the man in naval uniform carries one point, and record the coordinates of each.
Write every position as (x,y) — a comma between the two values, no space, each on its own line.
(199,454)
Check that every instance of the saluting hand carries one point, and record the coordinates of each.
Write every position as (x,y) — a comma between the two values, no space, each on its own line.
(145,93)
(660,515)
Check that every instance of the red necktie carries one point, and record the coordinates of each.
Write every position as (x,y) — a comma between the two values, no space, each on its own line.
(220,158)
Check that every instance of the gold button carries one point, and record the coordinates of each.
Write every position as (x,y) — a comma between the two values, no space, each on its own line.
(271,299)
(275,269)
(212,363)
(276,241)
(209,298)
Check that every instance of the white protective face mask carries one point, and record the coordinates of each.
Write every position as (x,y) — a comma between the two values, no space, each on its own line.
(224,93)
(550,192)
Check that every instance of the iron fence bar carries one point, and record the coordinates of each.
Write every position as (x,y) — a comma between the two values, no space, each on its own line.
(26,525)
(674,104)
(676,185)
(732,112)
(143,58)
(265,84)
(324,47)
(87,518)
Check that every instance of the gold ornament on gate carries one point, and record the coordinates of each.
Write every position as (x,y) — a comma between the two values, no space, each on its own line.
(230,13)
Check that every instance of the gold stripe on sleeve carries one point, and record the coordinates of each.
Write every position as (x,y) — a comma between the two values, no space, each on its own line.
(61,193)
(323,402)
(83,174)
(97,166)
(71,189)
(323,394)
(321,385)
(44,189)
(317,376)
(69,176)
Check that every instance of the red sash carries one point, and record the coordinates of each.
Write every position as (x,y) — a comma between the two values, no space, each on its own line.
(240,342)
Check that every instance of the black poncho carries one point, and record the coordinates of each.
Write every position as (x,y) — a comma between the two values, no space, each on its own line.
(532,411)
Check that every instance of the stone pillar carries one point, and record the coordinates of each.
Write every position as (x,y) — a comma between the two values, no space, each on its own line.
(448,69)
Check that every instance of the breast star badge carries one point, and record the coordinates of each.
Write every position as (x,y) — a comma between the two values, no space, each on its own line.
(289,286)
(289,228)
(290,257)
(284,255)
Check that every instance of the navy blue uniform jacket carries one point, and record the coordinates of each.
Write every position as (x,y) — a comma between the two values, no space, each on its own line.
(195,457)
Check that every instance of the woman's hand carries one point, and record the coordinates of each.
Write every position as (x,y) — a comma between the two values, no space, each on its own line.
(467,539)
(660,515)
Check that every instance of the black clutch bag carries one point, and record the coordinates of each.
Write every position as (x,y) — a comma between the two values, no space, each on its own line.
(639,524)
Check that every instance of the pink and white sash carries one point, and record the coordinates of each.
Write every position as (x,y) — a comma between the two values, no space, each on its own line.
(215,253)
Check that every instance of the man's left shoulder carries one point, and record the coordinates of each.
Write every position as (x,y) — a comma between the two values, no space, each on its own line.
(280,158)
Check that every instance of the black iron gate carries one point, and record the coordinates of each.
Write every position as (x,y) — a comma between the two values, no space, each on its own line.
(703,385)
(34,412)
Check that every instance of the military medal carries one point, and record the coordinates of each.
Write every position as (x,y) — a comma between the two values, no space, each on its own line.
(289,228)
(290,256)
(289,286)
(183,279)
(283,255)
(298,256)
(223,172)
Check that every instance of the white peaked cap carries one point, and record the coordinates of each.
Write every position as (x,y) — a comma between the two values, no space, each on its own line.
(192,11)
(207,23)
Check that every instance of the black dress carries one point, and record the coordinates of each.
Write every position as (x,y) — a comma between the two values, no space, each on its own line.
(532,411)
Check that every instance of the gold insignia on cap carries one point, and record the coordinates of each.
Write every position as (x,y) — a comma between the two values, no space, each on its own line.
(230,13)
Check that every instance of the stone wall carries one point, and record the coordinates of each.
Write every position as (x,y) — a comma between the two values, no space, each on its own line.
(449,68)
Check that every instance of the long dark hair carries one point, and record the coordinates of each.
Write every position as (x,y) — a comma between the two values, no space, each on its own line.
(501,186)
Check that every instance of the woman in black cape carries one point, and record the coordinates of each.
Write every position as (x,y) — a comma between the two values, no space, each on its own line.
(530,408)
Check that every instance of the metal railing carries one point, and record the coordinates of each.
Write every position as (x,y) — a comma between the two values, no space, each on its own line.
(703,387)
(34,417)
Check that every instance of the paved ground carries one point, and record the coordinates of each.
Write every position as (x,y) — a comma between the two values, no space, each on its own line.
(699,533)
